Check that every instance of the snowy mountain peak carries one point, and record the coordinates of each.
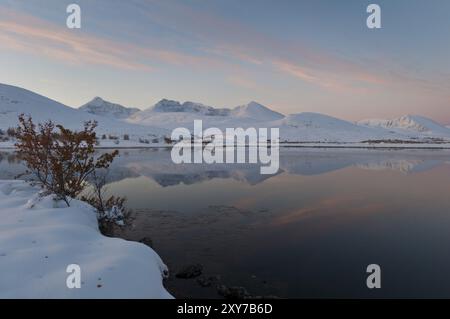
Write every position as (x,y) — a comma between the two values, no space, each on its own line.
(99,106)
(255,105)
(97,101)
(166,105)
(417,122)
(256,111)
(171,106)
(412,123)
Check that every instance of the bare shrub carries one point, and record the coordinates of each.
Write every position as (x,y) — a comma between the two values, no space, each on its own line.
(110,209)
(61,160)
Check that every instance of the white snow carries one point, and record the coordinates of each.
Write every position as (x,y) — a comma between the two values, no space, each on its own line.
(412,125)
(159,120)
(40,238)
(314,127)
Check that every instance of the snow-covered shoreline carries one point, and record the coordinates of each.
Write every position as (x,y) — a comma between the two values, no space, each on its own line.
(40,238)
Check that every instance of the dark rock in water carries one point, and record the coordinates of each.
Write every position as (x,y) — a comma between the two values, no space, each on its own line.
(233,292)
(223,290)
(147,241)
(190,271)
(208,281)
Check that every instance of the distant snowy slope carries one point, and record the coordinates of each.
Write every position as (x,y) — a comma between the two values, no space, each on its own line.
(410,124)
(100,107)
(15,100)
(314,127)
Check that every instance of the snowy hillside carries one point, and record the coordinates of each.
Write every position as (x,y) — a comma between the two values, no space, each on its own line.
(15,101)
(100,107)
(40,237)
(314,127)
(412,125)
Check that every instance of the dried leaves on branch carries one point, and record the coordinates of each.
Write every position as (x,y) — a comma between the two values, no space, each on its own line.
(61,160)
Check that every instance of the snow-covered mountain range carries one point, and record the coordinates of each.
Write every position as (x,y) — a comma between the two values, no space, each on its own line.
(172,114)
(15,101)
(100,107)
(152,124)
(300,127)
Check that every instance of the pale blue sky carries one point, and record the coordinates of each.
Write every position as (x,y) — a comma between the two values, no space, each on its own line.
(293,56)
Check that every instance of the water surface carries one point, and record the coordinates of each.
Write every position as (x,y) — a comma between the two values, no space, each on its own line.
(309,231)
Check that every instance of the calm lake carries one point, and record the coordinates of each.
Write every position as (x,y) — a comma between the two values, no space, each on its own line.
(309,231)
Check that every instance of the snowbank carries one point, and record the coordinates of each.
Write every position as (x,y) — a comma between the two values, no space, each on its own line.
(39,239)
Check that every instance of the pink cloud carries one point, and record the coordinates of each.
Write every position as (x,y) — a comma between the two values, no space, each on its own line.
(220,39)
(32,35)
(239,41)
(297,71)
(35,36)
